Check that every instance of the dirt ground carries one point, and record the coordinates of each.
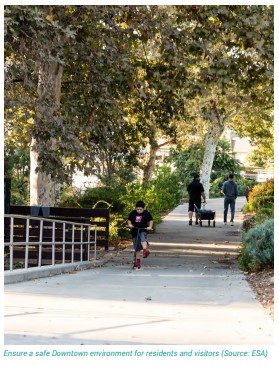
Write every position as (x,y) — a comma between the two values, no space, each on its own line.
(262,284)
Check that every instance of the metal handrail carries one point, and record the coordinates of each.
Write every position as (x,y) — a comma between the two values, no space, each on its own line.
(40,243)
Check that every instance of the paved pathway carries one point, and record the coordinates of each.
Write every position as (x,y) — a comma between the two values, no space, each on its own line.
(189,292)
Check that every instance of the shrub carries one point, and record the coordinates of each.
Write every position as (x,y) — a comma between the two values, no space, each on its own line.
(160,195)
(99,197)
(249,222)
(216,185)
(69,197)
(261,199)
(215,188)
(257,250)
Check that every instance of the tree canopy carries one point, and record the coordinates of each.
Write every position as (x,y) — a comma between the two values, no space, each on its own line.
(91,85)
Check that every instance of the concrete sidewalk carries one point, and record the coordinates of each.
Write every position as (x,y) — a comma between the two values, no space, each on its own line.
(189,292)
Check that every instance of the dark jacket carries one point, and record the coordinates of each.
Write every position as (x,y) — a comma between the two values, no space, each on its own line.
(230,189)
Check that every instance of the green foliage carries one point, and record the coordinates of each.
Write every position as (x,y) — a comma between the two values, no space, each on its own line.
(17,167)
(215,188)
(250,221)
(217,184)
(188,162)
(119,175)
(160,195)
(91,47)
(127,68)
(258,242)
(123,64)
(224,161)
(99,197)
(261,199)
(263,158)
(258,124)
(257,250)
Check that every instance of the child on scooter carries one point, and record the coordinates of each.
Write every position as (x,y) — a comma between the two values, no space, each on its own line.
(140,221)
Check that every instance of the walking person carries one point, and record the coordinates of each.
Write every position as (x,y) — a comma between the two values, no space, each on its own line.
(230,191)
(196,191)
(140,221)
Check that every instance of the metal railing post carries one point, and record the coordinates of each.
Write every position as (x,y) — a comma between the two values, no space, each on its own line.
(12,244)
(73,242)
(81,242)
(95,243)
(27,243)
(63,243)
(88,240)
(53,244)
(40,243)
(52,229)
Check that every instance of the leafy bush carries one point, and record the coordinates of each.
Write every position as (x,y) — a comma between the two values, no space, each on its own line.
(261,199)
(17,167)
(69,196)
(215,189)
(249,222)
(19,197)
(257,250)
(160,195)
(99,197)
(188,162)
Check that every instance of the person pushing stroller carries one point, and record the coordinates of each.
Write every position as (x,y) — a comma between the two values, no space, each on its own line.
(140,221)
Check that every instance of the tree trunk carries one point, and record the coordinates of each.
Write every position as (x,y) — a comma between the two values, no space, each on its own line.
(150,158)
(42,187)
(154,145)
(150,165)
(211,140)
